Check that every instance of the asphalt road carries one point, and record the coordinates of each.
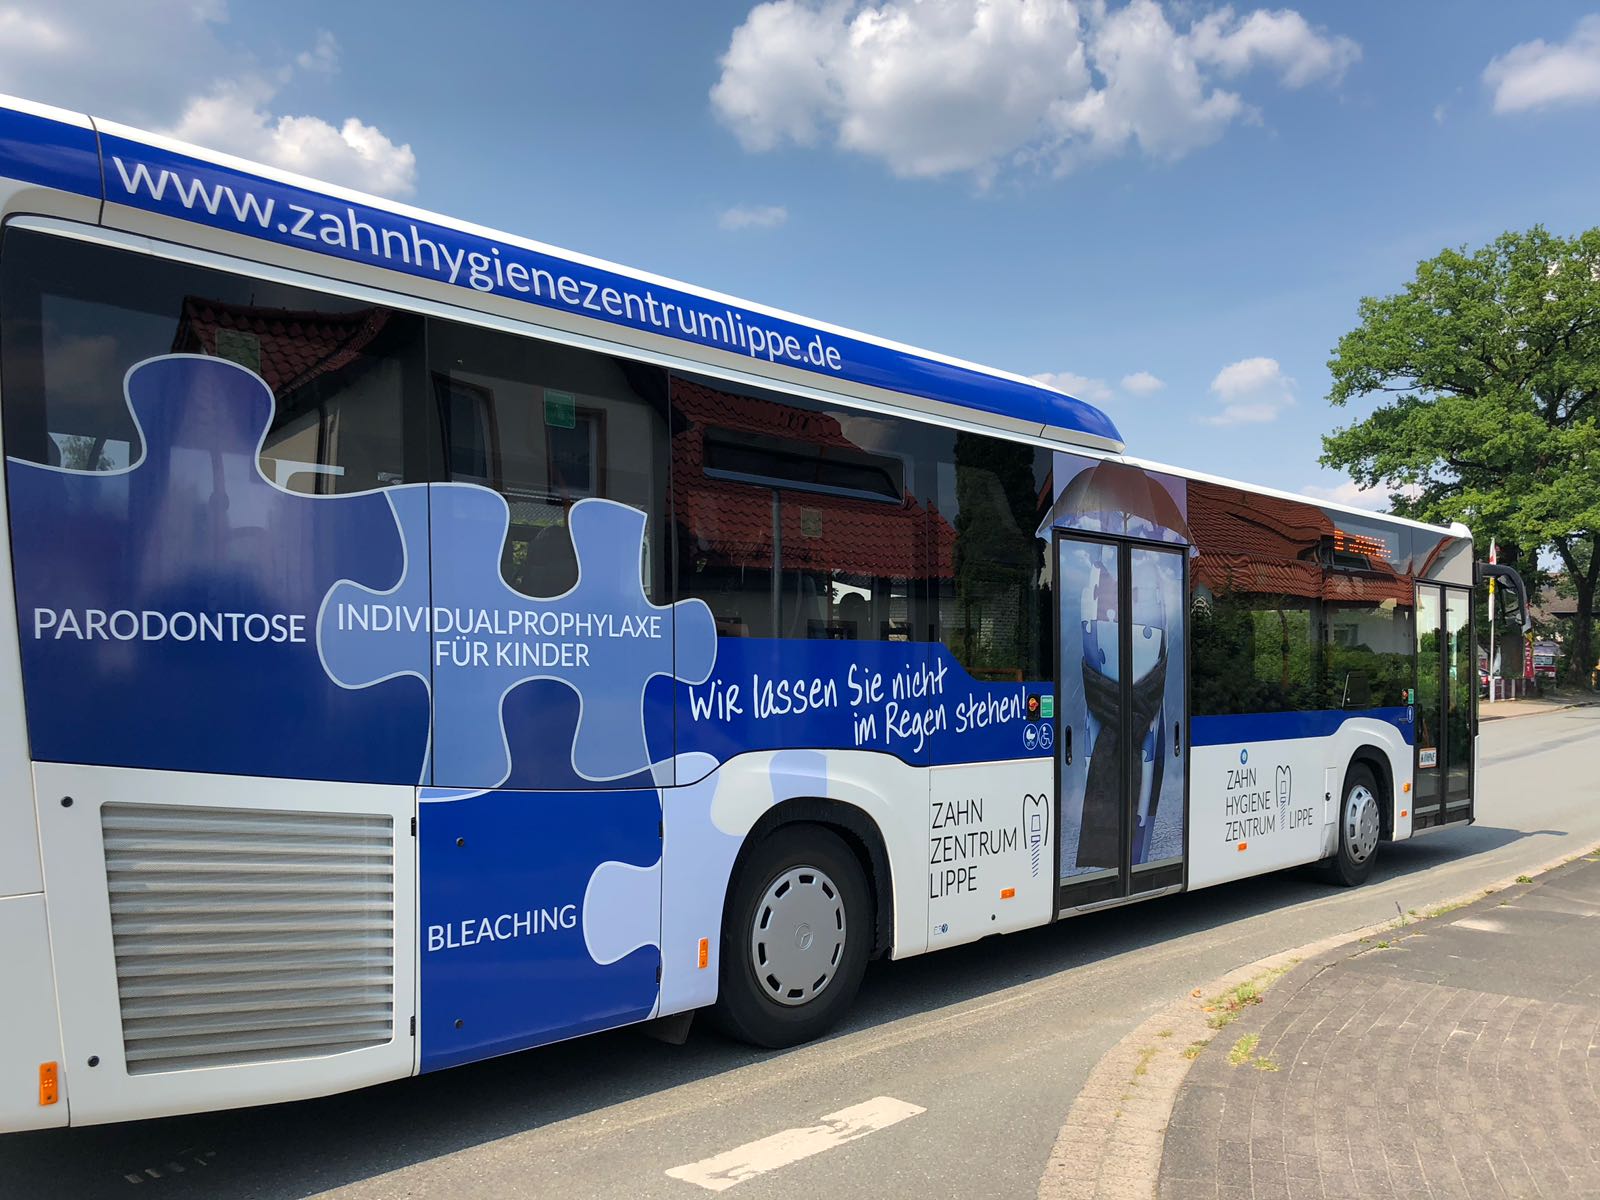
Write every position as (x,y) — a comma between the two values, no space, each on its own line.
(992,1040)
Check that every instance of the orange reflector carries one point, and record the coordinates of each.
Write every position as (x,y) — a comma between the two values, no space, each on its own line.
(705,953)
(1243,845)
(1403,812)
(48,1092)
(1007,893)
(1406,788)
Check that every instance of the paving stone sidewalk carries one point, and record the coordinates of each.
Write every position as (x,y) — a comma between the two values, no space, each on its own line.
(1461,1059)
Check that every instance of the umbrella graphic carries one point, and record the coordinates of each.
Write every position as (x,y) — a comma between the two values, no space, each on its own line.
(1113,497)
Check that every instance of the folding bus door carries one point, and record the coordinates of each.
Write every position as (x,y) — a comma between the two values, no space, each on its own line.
(1122,754)
(1446,715)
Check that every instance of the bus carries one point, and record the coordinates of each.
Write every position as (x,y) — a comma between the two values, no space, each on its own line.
(424,644)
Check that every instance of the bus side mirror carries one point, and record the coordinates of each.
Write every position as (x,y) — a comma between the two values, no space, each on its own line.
(1487,571)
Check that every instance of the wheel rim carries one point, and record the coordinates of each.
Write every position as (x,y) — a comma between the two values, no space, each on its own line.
(798,935)
(1360,823)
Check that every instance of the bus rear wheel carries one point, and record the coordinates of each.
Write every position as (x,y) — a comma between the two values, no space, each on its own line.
(796,934)
(1360,827)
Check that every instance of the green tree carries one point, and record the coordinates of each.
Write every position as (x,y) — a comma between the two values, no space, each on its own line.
(1488,369)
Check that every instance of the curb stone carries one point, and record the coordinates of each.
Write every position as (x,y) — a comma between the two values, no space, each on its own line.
(1111,1145)
(1538,708)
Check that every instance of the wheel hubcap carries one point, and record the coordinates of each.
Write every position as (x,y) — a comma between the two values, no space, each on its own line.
(1360,823)
(797,939)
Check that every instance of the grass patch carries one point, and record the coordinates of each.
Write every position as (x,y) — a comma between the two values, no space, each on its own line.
(1192,1050)
(1142,1067)
(1225,1008)
(1440,910)
(1524,878)
(1244,1054)
(1165,1033)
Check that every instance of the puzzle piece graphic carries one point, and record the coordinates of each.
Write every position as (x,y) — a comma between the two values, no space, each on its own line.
(621,910)
(169,606)
(603,638)
(402,648)
(705,825)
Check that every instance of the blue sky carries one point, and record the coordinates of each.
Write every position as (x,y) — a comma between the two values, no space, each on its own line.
(1093,192)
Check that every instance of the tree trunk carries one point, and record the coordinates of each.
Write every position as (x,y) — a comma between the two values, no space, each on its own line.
(1581,661)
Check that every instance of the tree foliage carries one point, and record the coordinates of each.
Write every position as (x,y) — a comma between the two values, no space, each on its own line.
(1487,370)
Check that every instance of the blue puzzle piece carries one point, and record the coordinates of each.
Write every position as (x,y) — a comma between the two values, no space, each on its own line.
(168,609)
(603,638)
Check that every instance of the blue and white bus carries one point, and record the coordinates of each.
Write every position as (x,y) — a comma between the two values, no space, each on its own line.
(424,644)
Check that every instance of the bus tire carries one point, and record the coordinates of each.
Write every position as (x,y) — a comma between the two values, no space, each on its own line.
(1360,827)
(796,935)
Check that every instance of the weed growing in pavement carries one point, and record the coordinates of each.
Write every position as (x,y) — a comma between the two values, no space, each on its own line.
(1143,1066)
(1524,878)
(1244,1050)
(1165,1033)
(1244,1054)
(1192,1050)
(1225,1009)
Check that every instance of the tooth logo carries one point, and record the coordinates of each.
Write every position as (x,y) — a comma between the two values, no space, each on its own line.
(1285,777)
(1035,828)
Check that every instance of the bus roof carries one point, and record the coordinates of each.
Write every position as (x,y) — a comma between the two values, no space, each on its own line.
(1457,530)
(134,174)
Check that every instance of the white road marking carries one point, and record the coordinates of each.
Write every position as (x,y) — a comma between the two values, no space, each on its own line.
(722,1171)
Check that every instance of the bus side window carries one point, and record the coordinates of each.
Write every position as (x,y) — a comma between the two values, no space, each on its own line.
(991,573)
(78,316)
(795,520)
(547,426)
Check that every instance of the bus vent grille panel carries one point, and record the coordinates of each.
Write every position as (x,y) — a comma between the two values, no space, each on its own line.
(246,936)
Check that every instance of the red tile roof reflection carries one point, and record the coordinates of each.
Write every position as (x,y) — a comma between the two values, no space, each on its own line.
(732,521)
(1272,546)
(294,346)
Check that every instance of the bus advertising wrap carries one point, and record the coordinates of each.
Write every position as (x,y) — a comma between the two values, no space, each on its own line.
(187,613)
(177,185)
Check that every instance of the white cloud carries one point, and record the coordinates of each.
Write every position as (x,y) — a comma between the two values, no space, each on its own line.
(948,86)
(1375,499)
(1281,40)
(1096,391)
(235,118)
(322,56)
(1252,390)
(753,216)
(1538,74)
(1142,383)
(167,65)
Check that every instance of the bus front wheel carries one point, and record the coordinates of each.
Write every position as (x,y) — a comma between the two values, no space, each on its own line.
(795,938)
(1360,827)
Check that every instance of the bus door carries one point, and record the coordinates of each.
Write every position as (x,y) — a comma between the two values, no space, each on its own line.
(1446,717)
(1122,721)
